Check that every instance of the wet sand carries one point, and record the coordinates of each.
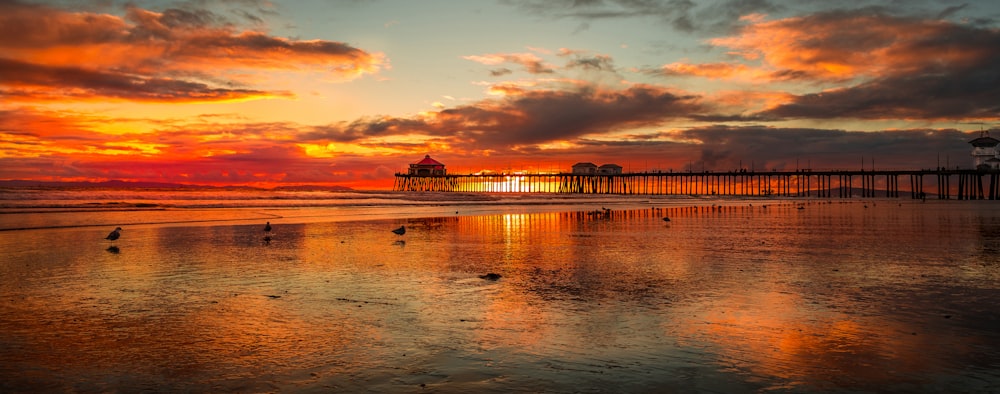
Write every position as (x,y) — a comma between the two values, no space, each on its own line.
(835,297)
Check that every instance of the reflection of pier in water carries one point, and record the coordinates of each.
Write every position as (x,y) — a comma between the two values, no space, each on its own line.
(545,228)
(960,184)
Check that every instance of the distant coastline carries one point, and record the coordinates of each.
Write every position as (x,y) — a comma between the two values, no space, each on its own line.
(119,184)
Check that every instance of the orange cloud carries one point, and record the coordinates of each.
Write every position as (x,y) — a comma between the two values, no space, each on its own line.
(531,63)
(510,88)
(870,66)
(33,82)
(212,150)
(839,46)
(65,145)
(174,55)
(712,70)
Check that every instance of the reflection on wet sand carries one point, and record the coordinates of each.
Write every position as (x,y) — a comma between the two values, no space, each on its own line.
(722,298)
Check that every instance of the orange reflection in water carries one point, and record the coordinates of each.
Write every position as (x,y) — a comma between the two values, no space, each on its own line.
(506,316)
(773,334)
(757,296)
(824,298)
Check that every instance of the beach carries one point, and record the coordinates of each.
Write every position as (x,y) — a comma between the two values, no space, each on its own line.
(599,295)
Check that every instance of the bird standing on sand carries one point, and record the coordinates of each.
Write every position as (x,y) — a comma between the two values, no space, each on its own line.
(114,235)
(267,232)
(400,231)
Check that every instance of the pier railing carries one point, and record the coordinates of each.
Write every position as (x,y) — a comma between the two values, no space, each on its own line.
(947,184)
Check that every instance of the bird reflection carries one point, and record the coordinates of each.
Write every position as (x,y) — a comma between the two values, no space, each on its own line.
(113,249)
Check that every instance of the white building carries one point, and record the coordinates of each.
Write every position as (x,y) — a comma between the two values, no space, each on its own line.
(609,169)
(984,152)
(587,168)
(584,169)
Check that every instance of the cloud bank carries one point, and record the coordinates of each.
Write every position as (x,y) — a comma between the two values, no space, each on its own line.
(774,87)
(183,55)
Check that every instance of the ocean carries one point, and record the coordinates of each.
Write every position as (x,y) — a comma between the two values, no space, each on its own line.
(27,208)
(595,294)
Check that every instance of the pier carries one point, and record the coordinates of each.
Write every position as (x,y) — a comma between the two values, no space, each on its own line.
(947,184)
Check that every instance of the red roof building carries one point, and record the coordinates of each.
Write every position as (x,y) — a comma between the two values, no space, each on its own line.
(427,167)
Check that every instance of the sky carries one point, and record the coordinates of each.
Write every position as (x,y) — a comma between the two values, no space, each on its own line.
(347,93)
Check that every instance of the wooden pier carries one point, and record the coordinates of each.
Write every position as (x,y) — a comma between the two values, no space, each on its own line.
(958,184)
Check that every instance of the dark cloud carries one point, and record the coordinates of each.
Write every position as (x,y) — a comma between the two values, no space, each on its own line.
(32,26)
(724,16)
(71,82)
(595,63)
(682,15)
(975,94)
(576,61)
(950,11)
(870,65)
(178,53)
(530,62)
(726,147)
(364,128)
(724,118)
(940,71)
(533,117)
(164,24)
(500,72)
(264,164)
(547,116)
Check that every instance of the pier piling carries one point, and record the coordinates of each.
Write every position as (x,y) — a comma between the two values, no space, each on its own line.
(971,184)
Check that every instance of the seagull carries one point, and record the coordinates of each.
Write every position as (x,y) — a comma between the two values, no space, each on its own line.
(490,276)
(666,219)
(400,231)
(267,233)
(114,234)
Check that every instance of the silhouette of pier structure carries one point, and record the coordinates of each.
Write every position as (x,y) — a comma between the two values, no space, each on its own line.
(961,184)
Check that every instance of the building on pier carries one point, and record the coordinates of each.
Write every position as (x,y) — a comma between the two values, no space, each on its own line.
(584,169)
(587,168)
(427,167)
(609,169)
(984,152)
(587,178)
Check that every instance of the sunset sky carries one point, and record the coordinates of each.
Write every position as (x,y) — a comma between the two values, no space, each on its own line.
(270,93)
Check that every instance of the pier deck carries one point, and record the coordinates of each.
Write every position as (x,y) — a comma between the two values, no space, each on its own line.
(960,184)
